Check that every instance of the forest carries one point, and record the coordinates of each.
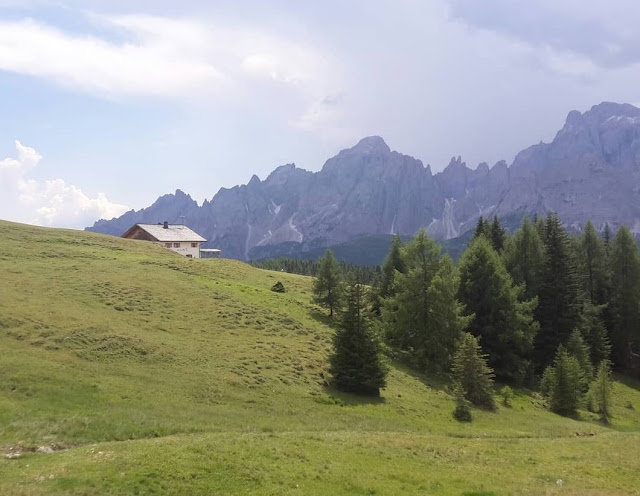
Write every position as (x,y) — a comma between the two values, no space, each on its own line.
(538,308)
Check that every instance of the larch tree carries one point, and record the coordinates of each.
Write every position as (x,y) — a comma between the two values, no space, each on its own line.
(406,315)
(423,319)
(472,373)
(446,318)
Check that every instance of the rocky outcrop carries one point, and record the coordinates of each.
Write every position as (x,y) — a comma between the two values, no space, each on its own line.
(590,170)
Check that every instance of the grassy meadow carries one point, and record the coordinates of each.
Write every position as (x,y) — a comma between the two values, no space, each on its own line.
(128,369)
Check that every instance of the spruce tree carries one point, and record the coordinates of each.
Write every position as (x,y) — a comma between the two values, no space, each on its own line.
(504,323)
(578,348)
(606,239)
(497,234)
(594,333)
(601,391)
(328,285)
(593,265)
(472,373)
(462,411)
(540,225)
(524,258)
(559,295)
(563,383)
(483,228)
(356,363)
(625,298)
(392,264)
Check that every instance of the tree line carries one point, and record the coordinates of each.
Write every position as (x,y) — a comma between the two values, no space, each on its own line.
(367,274)
(538,308)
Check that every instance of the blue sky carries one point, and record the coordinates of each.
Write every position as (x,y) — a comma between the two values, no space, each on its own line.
(106,105)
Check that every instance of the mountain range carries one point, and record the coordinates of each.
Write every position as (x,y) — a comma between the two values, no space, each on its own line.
(591,170)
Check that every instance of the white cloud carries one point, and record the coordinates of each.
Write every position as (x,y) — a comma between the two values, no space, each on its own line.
(605,33)
(149,66)
(142,56)
(48,203)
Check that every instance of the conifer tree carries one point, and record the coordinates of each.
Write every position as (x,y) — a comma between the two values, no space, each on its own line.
(483,228)
(423,318)
(625,298)
(524,257)
(601,391)
(539,224)
(472,372)
(497,234)
(593,264)
(594,333)
(406,315)
(563,383)
(606,239)
(462,411)
(504,323)
(577,348)
(328,285)
(357,365)
(559,296)
(446,318)
(392,264)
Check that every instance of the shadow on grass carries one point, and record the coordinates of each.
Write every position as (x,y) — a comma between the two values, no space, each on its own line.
(324,319)
(628,381)
(439,382)
(335,397)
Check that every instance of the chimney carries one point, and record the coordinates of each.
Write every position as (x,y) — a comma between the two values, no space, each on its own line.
(165,225)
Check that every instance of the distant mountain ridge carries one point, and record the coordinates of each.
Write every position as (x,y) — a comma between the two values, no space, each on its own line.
(591,170)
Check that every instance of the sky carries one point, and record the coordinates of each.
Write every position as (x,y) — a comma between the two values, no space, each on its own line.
(106,105)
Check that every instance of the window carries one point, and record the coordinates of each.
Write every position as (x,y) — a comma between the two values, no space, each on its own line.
(168,245)
(194,245)
(176,245)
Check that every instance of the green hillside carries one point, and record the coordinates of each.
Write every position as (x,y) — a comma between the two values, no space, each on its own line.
(148,373)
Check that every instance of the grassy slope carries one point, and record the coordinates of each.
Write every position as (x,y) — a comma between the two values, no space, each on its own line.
(160,374)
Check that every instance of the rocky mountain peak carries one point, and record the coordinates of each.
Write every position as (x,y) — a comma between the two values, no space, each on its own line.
(280,173)
(456,163)
(605,110)
(371,144)
(590,170)
(606,113)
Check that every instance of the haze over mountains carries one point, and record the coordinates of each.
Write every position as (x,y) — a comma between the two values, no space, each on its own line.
(591,170)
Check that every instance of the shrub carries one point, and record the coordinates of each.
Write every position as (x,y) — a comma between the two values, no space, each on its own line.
(462,411)
(506,393)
